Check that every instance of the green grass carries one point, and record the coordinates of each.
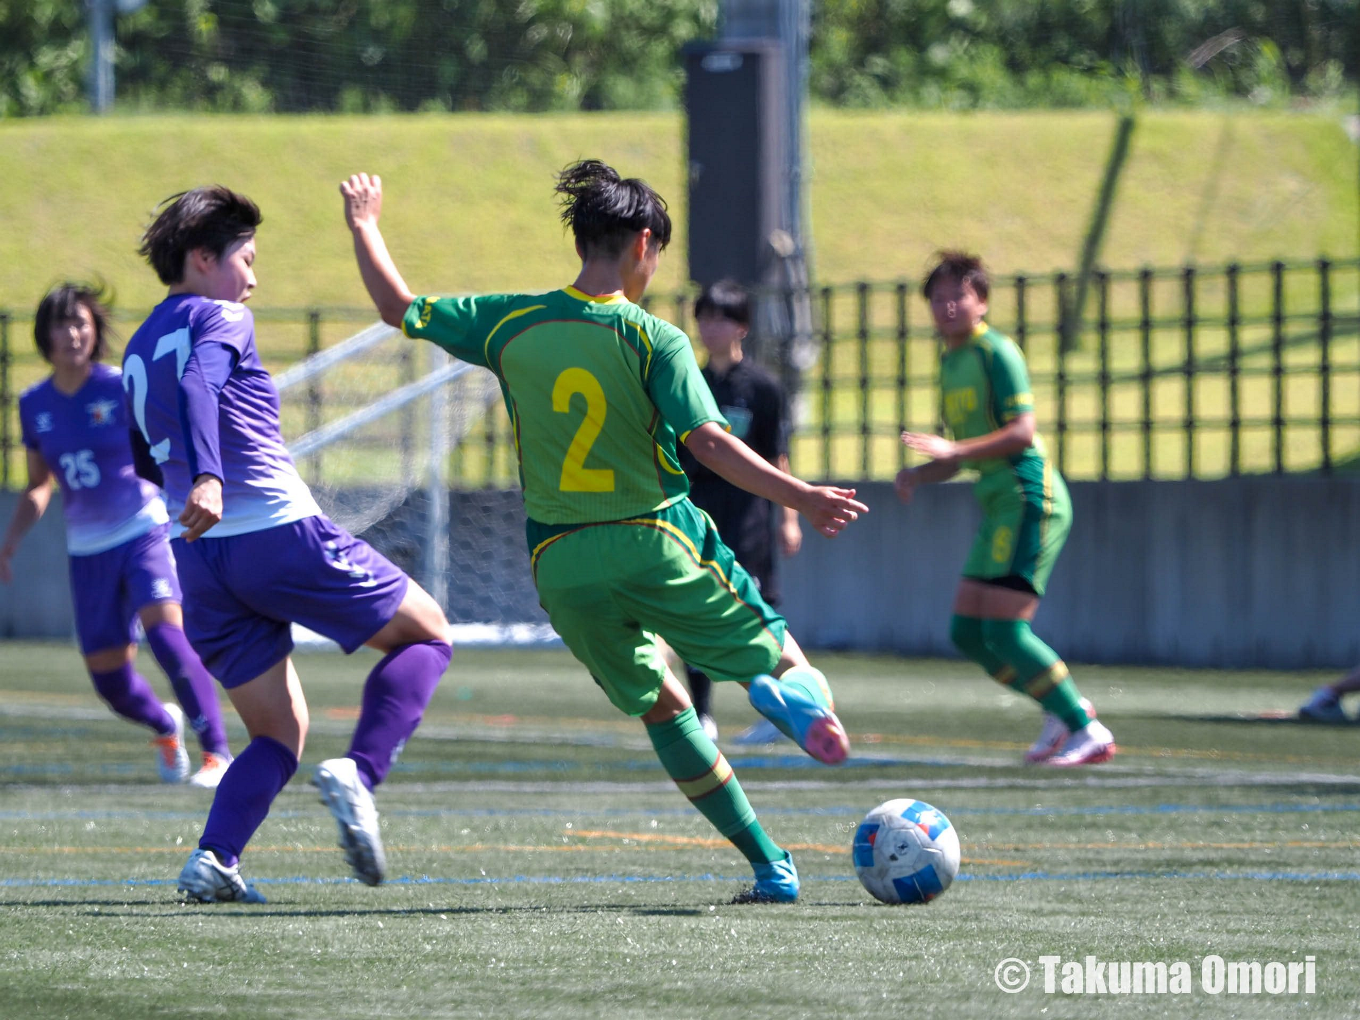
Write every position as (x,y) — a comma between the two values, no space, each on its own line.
(470,205)
(542,865)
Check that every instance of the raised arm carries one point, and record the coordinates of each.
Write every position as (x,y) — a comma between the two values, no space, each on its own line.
(828,508)
(27,512)
(363,207)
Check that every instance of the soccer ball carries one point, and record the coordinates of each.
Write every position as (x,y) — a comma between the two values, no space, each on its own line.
(906,851)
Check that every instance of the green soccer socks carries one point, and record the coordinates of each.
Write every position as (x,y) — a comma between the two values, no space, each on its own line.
(1033,669)
(703,775)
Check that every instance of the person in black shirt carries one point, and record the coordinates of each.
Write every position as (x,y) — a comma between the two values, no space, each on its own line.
(752,401)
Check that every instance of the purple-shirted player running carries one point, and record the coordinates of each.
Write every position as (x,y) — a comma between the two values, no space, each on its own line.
(255,552)
(74,427)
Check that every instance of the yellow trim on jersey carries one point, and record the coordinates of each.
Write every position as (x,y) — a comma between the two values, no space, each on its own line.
(980,328)
(594,299)
(486,347)
(647,342)
(664,461)
(684,436)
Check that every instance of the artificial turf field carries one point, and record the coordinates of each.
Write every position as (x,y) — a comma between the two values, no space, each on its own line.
(542,865)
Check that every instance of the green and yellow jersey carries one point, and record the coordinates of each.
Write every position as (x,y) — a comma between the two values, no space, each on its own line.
(985,385)
(598,392)
(1026,508)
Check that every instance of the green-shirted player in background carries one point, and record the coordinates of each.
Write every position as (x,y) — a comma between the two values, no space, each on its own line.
(989,409)
(599,392)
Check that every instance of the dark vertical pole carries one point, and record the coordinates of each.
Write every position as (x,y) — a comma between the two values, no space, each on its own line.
(1145,338)
(1021,326)
(903,405)
(313,393)
(862,336)
(1060,354)
(826,382)
(1234,373)
(1103,325)
(5,401)
(1277,362)
(1188,368)
(1325,360)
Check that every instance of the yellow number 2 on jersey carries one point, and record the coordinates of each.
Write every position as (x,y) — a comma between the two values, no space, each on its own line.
(576,477)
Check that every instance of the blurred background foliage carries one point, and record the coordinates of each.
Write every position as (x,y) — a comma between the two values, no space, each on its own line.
(356,56)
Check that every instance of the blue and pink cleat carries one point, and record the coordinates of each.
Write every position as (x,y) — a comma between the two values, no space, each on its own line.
(811,725)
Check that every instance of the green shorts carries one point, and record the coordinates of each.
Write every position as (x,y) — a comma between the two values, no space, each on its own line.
(1026,515)
(610,588)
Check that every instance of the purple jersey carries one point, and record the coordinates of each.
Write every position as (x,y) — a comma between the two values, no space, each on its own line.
(206,405)
(83,439)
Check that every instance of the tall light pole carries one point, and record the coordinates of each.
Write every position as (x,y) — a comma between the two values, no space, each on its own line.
(101,48)
(784,313)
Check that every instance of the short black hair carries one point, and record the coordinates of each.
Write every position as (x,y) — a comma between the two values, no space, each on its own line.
(960,267)
(605,210)
(62,303)
(726,298)
(212,217)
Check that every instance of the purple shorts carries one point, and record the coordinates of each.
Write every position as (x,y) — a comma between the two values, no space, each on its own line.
(109,587)
(245,590)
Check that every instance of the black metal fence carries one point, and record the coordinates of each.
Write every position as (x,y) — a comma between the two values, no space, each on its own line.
(1192,372)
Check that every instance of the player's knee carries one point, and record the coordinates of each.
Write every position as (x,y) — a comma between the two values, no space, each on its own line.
(1002,636)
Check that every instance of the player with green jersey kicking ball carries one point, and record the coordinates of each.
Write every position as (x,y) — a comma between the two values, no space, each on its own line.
(989,409)
(599,392)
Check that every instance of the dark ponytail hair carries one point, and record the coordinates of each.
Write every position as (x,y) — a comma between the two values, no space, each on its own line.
(604,210)
(61,304)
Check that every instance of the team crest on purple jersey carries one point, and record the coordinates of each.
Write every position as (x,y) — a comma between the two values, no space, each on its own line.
(83,440)
(102,412)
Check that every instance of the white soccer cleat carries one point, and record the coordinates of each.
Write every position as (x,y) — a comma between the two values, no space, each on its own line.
(1323,706)
(760,732)
(1090,745)
(352,806)
(205,879)
(1053,735)
(214,768)
(172,760)
(709,726)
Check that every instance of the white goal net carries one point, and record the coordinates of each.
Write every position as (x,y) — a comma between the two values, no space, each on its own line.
(395,438)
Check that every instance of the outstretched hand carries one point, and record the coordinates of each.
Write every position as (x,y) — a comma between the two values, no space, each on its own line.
(363,200)
(830,508)
(934,447)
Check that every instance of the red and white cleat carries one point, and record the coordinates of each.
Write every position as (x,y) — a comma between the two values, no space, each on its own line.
(1053,735)
(1090,745)
(214,768)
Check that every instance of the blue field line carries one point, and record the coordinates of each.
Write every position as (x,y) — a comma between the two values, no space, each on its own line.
(839,811)
(408,880)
